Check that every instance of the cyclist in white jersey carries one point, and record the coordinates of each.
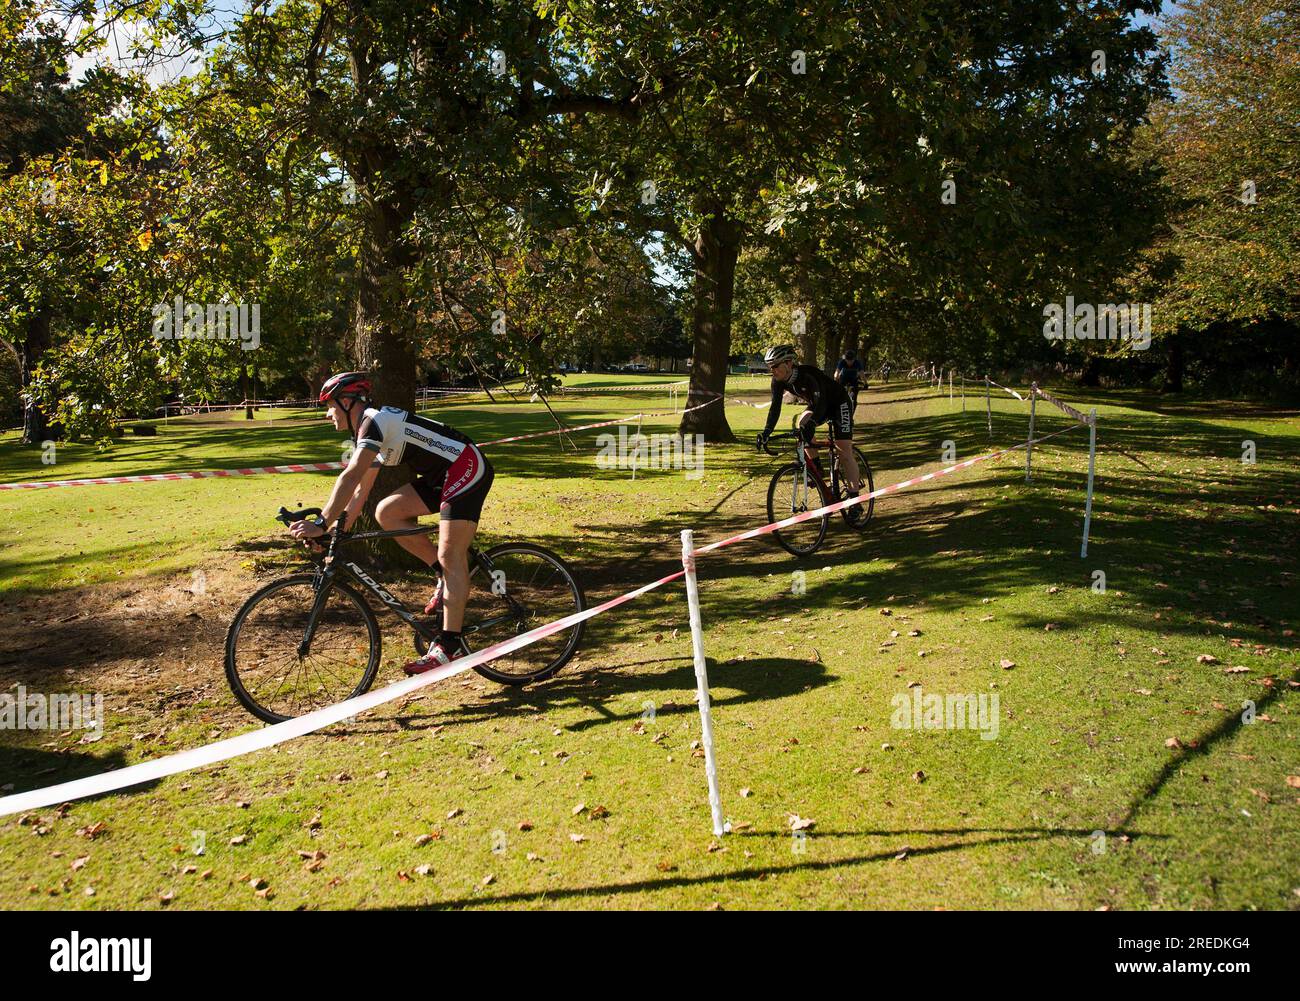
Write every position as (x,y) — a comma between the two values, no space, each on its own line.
(452,477)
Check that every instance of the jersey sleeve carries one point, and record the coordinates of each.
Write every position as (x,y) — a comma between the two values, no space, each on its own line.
(370,435)
(774,413)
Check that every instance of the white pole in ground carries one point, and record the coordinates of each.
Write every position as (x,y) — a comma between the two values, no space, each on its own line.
(636,447)
(1029,442)
(1092,465)
(701,680)
(988,402)
(963,394)
(949,385)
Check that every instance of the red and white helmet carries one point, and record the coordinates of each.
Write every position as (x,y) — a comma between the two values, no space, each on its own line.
(346,384)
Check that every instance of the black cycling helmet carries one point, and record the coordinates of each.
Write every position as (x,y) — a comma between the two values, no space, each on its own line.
(850,354)
(780,353)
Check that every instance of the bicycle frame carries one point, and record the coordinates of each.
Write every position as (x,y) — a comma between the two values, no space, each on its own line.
(332,565)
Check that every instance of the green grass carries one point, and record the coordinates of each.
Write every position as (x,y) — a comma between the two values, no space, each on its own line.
(1198,553)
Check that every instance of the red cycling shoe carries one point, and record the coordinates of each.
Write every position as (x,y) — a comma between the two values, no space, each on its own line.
(436,657)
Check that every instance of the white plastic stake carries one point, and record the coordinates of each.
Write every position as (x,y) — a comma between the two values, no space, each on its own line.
(988,402)
(701,680)
(637,445)
(1029,442)
(1092,465)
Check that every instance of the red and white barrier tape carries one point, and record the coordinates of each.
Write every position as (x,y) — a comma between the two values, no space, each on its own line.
(1077,415)
(198,474)
(278,733)
(1005,390)
(306,467)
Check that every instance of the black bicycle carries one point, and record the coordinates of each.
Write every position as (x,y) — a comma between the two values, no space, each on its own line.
(802,486)
(311,640)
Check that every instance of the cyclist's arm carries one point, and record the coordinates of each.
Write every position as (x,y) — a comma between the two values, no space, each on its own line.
(359,496)
(355,481)
(774,412)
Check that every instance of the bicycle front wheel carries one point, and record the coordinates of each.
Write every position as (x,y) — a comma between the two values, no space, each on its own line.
(277,671)
(516,588)
(789,494)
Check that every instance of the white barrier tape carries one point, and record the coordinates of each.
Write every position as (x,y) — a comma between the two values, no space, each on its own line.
(602,424)
(1082,418)
(255,404)
(278,733)
(1005,390)
(620,389)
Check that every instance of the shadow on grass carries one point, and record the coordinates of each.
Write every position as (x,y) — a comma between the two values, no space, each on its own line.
(760,680)
(753,872)
(34,768)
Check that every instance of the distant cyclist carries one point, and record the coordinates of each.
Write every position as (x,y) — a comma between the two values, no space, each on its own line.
(452,477)
(848,373)
(826,402)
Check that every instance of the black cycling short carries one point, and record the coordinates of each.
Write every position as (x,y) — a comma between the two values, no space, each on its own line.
(839,415)
(459,493)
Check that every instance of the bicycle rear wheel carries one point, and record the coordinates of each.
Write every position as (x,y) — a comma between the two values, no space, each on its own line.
(789,494)
(266,671)
(526,587)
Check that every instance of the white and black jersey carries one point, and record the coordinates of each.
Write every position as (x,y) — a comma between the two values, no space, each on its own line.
(399,436)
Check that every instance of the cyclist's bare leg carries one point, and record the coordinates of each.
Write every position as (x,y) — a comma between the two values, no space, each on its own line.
(454,539)
(402,509)
(849,463)
(808,431)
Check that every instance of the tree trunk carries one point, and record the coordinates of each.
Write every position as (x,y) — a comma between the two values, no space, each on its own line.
(1175,364)
(833,337)
(383,346)
(715,252)
(1091,376)
(36,425)
(243,388)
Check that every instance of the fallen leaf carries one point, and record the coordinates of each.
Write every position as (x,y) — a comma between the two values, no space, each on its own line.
(1007,665)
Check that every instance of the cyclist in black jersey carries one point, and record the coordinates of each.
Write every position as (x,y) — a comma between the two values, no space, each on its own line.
(849,370)
(452,477)
(826,402)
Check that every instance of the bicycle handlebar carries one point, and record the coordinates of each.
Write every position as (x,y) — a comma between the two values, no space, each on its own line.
(287,517)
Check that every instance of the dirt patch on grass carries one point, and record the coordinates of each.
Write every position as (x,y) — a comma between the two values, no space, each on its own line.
(145,644)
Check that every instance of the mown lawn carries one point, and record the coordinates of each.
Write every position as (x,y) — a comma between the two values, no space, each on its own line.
(1122,774)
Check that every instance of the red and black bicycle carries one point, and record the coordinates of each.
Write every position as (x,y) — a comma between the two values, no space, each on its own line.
(802,486)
